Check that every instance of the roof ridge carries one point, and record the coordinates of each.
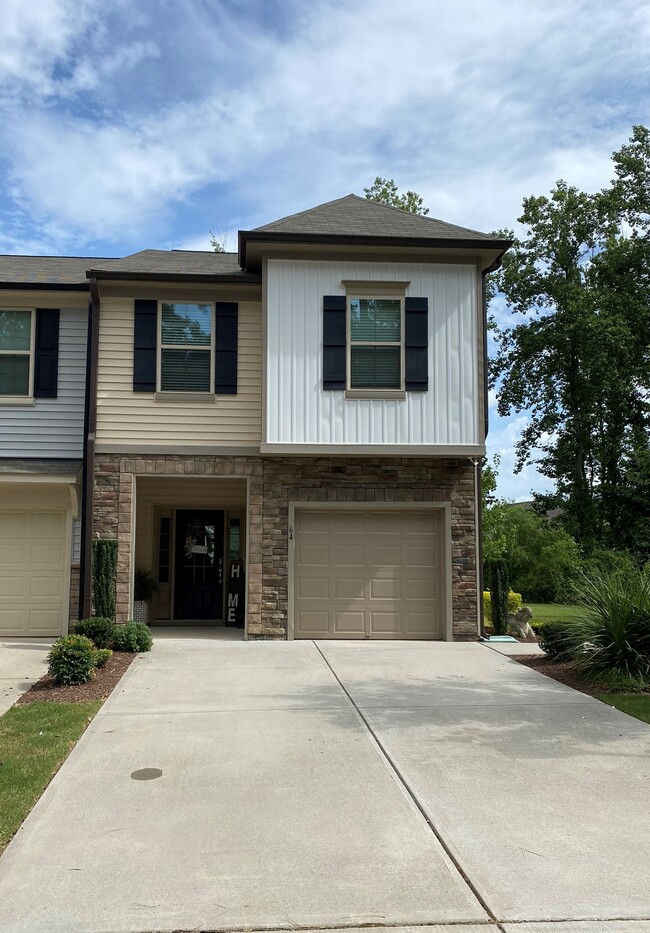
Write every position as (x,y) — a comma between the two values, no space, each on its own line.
(435,220)
(309,210)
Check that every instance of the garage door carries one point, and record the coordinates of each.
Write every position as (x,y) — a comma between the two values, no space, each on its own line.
(368,574)
(32,572)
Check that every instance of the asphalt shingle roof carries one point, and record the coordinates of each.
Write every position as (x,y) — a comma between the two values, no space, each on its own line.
(46,270)
(356,216)
(172,262)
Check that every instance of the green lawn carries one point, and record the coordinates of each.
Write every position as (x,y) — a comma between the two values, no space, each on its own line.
(551,612)
(632,704)
(34,741)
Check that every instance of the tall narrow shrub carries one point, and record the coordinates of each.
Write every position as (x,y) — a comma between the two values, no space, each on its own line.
(104,578)
(499,594)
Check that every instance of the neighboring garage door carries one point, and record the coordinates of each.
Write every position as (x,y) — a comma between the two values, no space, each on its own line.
(368,574)
(33,556)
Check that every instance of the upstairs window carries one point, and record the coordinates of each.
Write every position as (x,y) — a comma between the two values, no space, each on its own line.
(186,347)
(375,342)
(16,353)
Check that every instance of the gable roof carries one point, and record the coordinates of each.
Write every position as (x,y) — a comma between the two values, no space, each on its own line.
(54,272)
(192,265)
(360,221)
(356,216)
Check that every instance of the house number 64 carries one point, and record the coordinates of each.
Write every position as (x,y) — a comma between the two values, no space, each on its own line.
(290,532)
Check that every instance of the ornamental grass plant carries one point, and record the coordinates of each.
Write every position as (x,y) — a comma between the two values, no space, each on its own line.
(610,637)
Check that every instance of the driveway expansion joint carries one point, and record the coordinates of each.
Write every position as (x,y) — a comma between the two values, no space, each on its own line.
(413,796)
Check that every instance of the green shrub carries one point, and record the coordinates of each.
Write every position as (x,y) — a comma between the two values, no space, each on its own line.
(104,578)
(612,633)
(100,631)
(144,585)
(102,655)
(553,638)
(72,659)
(515,601)
(134,636)
(499,592)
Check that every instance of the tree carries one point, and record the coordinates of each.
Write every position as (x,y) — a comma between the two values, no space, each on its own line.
(579,361)
(218,240)
(385,191)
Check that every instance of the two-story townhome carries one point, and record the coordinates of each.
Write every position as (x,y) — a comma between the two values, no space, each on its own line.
(290,437)
(43,338)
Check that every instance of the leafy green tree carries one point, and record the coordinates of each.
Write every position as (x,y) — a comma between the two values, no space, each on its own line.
(218,240)
(385,191)
(579,360)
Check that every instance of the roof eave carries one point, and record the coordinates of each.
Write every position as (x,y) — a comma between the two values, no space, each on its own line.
(49,286)
(246,236)
(245,278)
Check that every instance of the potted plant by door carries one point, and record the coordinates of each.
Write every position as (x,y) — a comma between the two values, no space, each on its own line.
(144,588)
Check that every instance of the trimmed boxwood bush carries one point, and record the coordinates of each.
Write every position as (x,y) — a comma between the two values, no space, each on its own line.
(100,631)
(134,636)
(72,659)
(101,656)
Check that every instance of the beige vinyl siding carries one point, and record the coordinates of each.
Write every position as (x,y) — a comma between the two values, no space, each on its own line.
(126,418)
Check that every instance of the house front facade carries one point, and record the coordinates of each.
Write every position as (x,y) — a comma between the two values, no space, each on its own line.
(289,438)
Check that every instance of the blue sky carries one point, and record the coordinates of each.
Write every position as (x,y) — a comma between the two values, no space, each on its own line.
(130,125)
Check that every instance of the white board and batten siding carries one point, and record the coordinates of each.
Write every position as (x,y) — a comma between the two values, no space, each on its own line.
(299,411)
(128,420)
(52,427)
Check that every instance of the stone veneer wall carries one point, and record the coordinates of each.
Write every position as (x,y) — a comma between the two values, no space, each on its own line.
(274,482)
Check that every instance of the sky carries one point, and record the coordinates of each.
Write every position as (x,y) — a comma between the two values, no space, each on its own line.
(145,125)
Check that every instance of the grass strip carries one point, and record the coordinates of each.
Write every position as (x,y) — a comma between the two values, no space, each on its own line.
(634,705)
(552,612)
(35,740)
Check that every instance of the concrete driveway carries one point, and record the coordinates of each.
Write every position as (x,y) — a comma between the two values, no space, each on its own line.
(23,661)
(232,786)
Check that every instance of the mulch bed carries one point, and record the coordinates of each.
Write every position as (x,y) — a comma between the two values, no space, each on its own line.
(562,671)
(98,687)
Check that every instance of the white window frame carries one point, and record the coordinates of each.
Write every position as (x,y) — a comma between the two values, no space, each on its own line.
(373,392)
(184,396)
(27,399)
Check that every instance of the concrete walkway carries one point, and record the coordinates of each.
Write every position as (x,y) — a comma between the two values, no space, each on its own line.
(23,661)
(274,785)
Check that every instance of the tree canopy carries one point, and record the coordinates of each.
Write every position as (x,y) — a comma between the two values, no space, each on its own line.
(385,191)
(578,357)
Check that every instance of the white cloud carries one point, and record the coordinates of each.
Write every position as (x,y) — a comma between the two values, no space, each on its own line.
(473,111)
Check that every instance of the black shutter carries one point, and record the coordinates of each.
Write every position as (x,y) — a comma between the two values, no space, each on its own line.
(416,342)
(334,352)
(46,367)
(225,347)
(145,335)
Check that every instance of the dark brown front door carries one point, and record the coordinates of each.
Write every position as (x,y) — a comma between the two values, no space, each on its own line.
(198,582)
